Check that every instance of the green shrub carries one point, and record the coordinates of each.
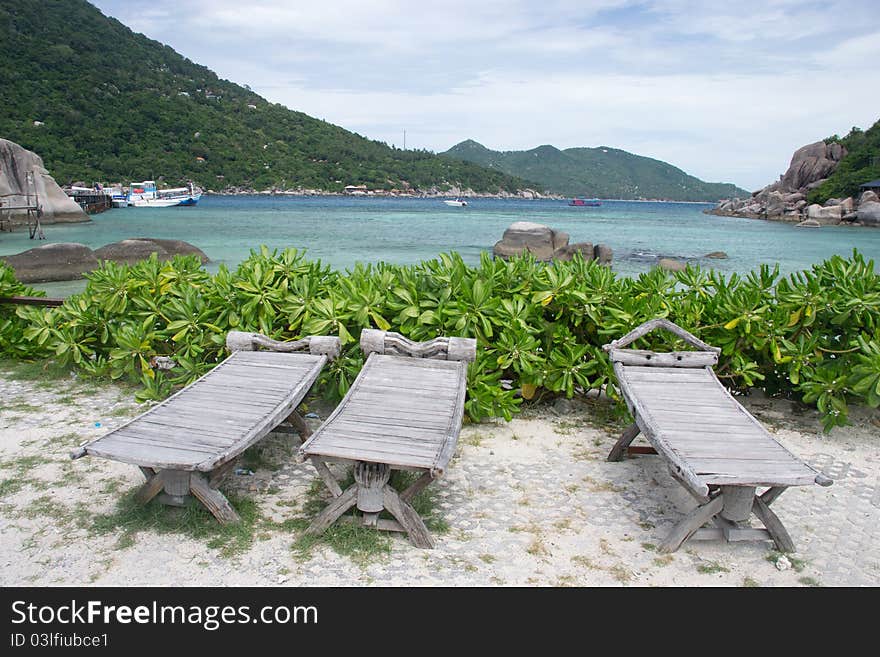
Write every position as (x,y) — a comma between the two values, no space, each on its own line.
(12,326)
(814,335)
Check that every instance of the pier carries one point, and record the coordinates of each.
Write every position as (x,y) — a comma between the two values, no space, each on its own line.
(32,207)
(92,201)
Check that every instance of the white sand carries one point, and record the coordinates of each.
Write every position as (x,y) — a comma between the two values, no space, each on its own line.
(531,502)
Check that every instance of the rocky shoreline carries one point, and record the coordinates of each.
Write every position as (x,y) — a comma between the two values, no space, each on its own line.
(787,199)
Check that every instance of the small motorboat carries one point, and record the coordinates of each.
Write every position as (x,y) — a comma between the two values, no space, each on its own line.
(457,203)
(585,202)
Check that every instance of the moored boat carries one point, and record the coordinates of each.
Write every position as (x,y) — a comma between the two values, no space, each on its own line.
(458,203)
(585,202)
(145,195)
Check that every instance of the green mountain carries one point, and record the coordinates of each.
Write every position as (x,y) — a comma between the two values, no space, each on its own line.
(603,172)
(861,164)
(100,102)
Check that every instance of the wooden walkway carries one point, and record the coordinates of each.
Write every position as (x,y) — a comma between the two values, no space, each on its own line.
(403,412)
(205,426)
(714,447)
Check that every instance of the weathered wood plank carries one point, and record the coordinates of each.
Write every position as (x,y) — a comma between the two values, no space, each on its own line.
(660,323)
(682,359)
(213,499)
(623,442)
(774,526)
(690,524)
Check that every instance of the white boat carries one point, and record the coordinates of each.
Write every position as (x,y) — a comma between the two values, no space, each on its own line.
(145,195)
(458,203)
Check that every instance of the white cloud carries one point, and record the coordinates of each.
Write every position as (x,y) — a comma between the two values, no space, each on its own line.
(723,93)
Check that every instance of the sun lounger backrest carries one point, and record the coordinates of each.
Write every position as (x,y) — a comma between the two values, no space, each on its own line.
(316,344)
(374,341)
(707,356)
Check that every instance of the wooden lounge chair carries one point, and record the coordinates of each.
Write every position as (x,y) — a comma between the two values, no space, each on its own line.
(714,447)
(190,441)
(403,412)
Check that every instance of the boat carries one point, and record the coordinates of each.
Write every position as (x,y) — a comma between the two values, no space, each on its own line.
(457,203)
(585,202)
(145,195)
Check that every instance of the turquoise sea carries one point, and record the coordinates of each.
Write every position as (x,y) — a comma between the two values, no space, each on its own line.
(344,230)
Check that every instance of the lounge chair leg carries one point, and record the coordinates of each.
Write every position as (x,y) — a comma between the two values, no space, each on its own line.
(147,472)
(153,487)
(213,499)
(326,476)
(620,446)
(416,487)
(333,511)
(690,524)
(408,518)
(774,525)
(299,423)
(219,474)
(771,494)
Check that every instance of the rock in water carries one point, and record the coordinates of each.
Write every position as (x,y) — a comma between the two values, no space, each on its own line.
(603,254)
(15,163)
(671,264)
(67,262)
(546,244)
(52,262)
(567,252)
(524,236)
(131,251)
(716,255)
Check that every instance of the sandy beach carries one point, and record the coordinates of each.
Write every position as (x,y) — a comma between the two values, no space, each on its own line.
(528,503)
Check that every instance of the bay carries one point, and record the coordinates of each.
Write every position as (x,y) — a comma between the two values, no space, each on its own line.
(344,230)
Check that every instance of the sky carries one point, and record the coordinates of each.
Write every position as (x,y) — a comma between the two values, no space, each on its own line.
(726,91)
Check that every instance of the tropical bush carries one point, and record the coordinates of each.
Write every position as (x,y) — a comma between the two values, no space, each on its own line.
(813,335)
(12,326)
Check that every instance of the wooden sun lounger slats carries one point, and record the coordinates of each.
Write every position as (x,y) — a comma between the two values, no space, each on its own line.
(205,426)
(714,447)
(394,412)
(403,412)
(239,424)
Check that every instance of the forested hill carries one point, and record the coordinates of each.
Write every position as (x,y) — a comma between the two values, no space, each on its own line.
(603,172)
(101,103)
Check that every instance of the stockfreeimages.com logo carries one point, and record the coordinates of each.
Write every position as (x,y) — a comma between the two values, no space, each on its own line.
(210,617)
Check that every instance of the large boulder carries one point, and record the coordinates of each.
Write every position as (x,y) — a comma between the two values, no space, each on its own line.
(134,250)
(829,216)
(15,164)
(775,203)
(524,236)
(868,197)
(869,213)
(603,254)
(811,164)
(52,262)
(567,252)
(546,244)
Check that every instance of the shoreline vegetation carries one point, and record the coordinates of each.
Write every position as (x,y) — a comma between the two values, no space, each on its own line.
(812,336)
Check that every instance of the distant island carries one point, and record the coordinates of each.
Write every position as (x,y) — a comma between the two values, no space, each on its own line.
(603,172)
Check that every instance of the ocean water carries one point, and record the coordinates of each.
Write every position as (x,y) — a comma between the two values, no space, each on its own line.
(344,230)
